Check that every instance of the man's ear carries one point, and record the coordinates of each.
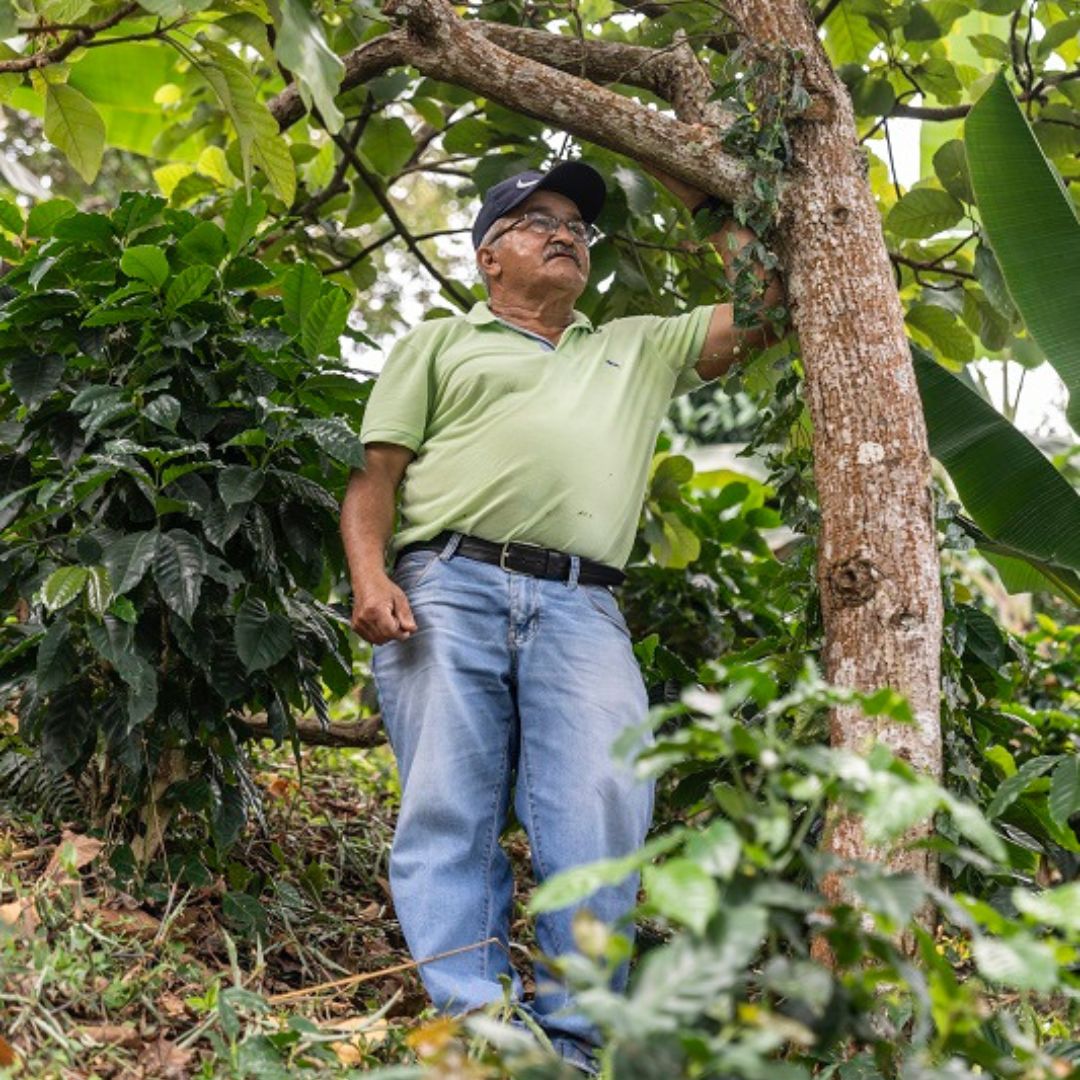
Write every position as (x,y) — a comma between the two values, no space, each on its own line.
(488,261)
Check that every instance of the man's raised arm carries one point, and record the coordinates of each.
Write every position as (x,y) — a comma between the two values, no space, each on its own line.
(725,342)
(381,612)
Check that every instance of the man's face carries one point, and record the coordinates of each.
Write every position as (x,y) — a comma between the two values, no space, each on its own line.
(524,260)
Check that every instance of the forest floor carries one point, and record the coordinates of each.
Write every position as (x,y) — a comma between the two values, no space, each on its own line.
(224,979)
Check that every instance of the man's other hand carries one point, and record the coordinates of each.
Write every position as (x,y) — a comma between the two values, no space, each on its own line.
(381,612)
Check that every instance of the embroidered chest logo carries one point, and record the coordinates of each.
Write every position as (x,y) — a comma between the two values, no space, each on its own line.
(613,363)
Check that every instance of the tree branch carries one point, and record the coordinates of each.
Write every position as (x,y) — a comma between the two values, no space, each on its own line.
(443,46)
(463,301)
(78,37)
(359,734)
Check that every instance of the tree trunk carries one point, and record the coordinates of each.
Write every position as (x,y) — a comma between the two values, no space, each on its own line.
(878,563)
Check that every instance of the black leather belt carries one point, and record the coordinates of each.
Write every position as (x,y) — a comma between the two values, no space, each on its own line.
(521,558)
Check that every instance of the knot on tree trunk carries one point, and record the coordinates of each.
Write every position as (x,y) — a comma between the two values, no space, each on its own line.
(853,581)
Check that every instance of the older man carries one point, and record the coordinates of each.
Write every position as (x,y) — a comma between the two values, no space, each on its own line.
(521,436)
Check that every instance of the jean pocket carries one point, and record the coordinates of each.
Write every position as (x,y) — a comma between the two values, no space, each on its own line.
(603,600)
(413,569)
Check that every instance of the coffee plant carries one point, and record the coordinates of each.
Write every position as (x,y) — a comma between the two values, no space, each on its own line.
(176,429)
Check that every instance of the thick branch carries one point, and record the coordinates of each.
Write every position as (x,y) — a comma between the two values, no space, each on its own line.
(444,47)
(359,734)
(673,74)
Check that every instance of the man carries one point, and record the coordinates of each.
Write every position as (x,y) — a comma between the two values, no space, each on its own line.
(522,436)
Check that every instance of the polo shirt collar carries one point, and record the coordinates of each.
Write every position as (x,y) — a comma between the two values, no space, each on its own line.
(480,314)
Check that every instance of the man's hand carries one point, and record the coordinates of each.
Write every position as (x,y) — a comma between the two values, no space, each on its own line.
(381,612)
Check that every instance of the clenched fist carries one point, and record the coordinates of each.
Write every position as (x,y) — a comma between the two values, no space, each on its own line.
(381,611)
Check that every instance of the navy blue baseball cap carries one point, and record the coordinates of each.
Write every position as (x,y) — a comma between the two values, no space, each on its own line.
(579,182)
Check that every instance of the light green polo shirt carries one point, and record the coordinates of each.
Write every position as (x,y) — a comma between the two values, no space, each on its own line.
(516,439)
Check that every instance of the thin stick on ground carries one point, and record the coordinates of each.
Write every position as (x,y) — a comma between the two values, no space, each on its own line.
(367,976)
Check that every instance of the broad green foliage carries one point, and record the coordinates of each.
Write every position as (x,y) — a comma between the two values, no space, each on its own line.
(731,988)
(174,443)
(1032,225)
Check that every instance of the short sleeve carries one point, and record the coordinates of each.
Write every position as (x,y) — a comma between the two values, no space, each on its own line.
(397,410)
(677,341)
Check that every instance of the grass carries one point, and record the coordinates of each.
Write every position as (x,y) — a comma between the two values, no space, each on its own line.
(168,978)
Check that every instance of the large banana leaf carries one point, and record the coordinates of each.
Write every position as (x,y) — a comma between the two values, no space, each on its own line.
(1023,507)
(1032,226)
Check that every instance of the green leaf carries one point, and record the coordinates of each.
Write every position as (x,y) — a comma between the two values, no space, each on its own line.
(10,215)
(1032,226)
(301,47)
(188,285)
(301,286)
(849,38)
(63,585)
(324,323)
(129,558)
(164,411)
(717,849)
(238,484)
(99,591)
(246,212)
(179,566)
(338,440)
(262,637)
(57,661)
(34,378)
(75,128)
(146,263)
(922,213)
(256,130)
(1058,907)
(44,216)
(943,329)
(1014,494)
(988,272)
(387,143)
(951,168)
(896,896)
(570,886)
(205,243)
(973,824)
(1014,786)
(681,891)
(1020,961)
(1065,791)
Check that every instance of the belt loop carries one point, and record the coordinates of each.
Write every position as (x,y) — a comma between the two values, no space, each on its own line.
(575,571)
(447,552)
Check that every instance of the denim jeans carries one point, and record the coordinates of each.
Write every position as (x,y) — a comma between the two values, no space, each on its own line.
(509,682)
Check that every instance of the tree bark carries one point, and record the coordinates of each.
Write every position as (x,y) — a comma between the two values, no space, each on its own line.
(360,734)
(878,562)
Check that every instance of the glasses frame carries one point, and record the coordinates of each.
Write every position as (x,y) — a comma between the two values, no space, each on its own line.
(592,233)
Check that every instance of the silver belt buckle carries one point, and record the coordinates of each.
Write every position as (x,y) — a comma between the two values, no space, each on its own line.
(506,550)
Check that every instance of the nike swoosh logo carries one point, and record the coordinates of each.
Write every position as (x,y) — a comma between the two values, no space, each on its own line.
(527,183)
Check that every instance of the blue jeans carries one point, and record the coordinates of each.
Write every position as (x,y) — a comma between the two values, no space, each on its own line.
(506,676)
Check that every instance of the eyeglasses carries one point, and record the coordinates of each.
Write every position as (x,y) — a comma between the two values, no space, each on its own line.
(547,225)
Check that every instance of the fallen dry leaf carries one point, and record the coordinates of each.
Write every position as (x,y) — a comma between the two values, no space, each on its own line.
(171,1005)
(281,787)
(164,1060)
(73,852)
(138,924)
(20,916)
(109,1034)
(8,1057)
